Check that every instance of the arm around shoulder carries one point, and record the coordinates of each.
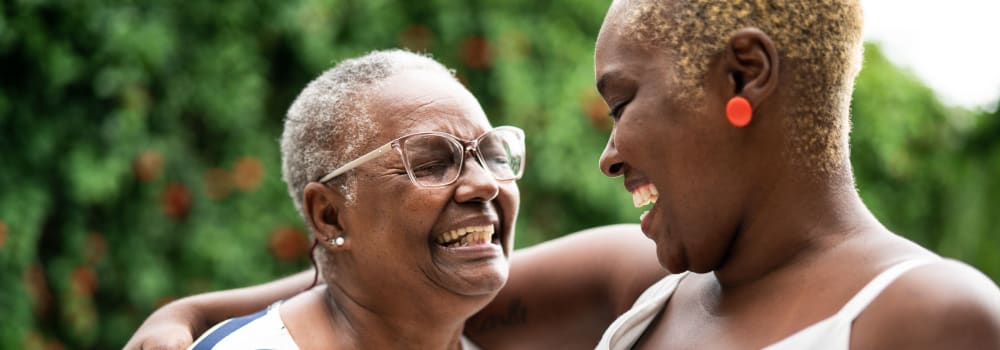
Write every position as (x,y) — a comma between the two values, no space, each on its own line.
(175,325)
(564,293)
(945,305)
(171,327)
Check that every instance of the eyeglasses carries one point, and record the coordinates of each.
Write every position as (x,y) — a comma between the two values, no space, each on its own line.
(434,159)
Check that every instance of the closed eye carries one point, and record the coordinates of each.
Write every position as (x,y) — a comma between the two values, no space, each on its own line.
(429,167)
(616,110)
(499,160)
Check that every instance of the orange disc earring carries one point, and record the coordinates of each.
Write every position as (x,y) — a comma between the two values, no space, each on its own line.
(739,112)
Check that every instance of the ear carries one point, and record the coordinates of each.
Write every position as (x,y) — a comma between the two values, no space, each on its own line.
(323,208)
(751,61)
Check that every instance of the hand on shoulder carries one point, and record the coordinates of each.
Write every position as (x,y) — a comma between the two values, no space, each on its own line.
(942,305)
(169,328)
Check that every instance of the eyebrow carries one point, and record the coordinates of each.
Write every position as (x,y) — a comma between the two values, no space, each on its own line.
(602,82)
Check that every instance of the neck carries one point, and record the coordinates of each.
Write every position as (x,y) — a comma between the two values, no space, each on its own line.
(797,220)
(370,325)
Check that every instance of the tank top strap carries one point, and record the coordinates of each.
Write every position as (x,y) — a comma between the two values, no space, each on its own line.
(860,301)
(629,327)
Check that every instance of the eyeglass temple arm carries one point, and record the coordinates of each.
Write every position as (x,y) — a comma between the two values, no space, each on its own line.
(355,163)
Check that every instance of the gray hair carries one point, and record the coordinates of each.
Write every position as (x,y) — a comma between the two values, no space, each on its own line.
(329,121)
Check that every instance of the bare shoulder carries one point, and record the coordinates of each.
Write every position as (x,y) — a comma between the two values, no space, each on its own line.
(943,305)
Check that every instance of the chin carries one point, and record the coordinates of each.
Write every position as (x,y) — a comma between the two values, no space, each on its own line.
(671,259)
(485,282)
(485,290)
(674,267)
(669,253)
(491,284)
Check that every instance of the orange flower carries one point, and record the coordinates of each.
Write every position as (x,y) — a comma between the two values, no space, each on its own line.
(148,165)
(3,234)
(34,279)
(596,111)
(217,183)
(175,200)
(416,38)
(288,243)
(247,173)
(84,281)
(477,53)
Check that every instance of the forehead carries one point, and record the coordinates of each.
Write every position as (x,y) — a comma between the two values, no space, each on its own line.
(620,55)
(423,100)
(617,59)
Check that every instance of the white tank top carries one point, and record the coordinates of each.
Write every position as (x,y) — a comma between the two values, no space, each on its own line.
(828,334)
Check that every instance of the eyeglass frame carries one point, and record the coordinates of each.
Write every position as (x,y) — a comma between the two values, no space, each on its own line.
(397,144)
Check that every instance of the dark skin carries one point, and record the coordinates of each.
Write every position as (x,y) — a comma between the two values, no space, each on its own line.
(588,277)
(579,276)
(765,234)
(764,240)
(568,290)
(398,238)
(359,307)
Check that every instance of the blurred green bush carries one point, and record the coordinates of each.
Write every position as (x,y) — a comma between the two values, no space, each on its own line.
(139,162)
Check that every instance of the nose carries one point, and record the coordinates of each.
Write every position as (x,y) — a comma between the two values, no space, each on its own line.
(475,183)
(611,163)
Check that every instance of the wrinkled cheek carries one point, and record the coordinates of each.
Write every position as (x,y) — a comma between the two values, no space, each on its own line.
(510,205)
(513,196)
(421,211)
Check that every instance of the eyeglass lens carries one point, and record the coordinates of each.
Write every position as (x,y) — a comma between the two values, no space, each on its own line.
(436,160)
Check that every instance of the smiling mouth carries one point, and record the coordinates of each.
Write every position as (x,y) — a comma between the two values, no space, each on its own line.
(466,236)
(644,195)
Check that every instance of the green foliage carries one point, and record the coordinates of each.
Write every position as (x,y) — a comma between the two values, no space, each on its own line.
(139,157)
(928,171)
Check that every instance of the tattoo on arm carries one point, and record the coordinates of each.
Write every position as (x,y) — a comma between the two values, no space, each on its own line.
(516,314)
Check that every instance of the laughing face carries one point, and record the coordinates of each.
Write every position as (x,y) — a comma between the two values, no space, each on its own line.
(677,154)
(445,243)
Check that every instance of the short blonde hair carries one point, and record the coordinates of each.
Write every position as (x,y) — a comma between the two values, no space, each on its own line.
(822,37)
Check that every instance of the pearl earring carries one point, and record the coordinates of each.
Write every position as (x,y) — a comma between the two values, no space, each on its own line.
(339,241)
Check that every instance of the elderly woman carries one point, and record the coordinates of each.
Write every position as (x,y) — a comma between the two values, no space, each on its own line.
(411,195)
(736,113)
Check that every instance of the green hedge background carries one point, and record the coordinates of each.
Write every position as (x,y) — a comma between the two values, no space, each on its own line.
(139,158)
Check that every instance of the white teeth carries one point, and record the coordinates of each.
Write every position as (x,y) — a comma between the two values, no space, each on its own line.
(645,195)
(464,236)
(643,215)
